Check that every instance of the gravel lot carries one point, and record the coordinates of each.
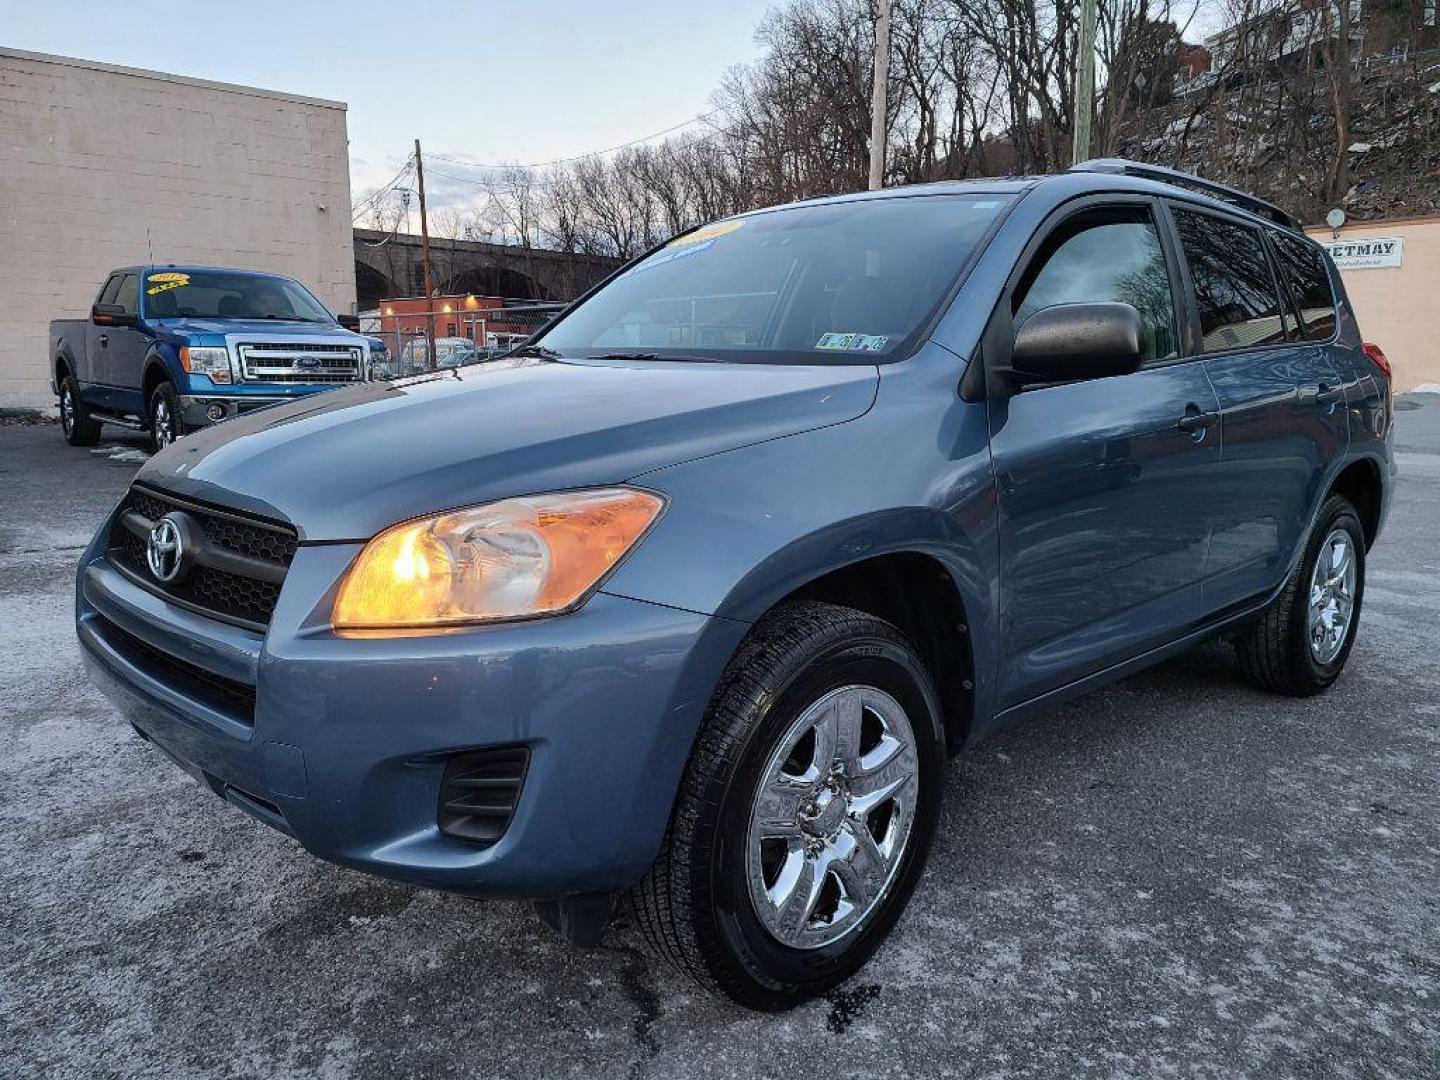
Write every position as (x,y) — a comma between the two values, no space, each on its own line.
(1174,876)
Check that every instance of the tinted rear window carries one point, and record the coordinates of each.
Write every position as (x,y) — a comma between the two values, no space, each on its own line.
(854,280)
(1303,268)
(1234,288)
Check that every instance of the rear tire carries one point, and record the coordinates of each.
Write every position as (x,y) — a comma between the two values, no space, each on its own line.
(165,423)
(774,884)
(76,423)
(1299,644)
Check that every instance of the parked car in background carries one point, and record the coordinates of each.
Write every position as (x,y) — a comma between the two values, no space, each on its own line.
(169,349)
(414,357)
(687,600)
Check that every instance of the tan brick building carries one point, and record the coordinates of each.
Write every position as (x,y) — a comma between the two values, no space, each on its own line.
(101,165)
(1398,305)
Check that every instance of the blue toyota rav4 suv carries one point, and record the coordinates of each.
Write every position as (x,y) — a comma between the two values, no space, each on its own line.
(686,601)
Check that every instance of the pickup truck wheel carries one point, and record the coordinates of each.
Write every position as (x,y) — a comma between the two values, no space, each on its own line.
(165,423)
(805,813)
(76,423)
(1299,644)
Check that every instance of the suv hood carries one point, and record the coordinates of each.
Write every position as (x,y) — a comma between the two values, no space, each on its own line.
(345,464)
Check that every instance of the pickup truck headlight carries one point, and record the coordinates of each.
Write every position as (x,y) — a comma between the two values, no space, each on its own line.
(211,360)
(514,559)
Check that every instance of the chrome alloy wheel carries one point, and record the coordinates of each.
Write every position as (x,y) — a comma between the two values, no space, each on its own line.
(1332,595)
(832,816)
(164,423)
(67,410)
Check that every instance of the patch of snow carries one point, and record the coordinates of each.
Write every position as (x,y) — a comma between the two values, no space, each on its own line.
(122,453)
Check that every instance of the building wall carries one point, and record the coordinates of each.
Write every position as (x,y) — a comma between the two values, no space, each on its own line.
(101,166)
(1399,307)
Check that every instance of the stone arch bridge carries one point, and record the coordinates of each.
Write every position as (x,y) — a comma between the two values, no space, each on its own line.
(388,265)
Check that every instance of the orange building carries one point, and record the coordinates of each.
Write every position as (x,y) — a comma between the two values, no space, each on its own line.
(472,317)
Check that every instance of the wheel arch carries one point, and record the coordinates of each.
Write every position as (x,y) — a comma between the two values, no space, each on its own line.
(63,364)
(1362,482)
(915,592)
(156,371)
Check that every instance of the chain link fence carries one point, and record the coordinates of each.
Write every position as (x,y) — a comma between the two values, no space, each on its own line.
(489,333)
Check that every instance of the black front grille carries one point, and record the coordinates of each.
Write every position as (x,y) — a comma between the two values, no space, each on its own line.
(235,596)
(479,792)
(234,699)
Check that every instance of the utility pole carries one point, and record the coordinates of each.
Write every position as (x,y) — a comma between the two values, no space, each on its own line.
(877,95)
(425,257)
(1084,82)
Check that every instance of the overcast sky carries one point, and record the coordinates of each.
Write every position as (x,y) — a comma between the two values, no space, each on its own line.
(484,80)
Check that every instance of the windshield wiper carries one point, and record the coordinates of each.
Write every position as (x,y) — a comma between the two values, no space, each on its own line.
(536,350)
(275,318)
(656,356)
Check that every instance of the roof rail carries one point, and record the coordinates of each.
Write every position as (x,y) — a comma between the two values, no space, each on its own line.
(1223,192)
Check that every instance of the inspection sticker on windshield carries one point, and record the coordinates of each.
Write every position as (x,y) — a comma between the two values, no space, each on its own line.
(159,283)
(707,232)
(852,342)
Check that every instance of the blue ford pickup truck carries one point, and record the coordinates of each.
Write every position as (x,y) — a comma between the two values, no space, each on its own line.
(169,349)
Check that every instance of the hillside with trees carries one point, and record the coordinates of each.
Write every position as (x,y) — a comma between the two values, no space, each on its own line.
(1311,104)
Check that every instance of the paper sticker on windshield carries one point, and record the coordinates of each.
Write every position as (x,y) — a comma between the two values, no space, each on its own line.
(664,256)
(707,232)
(158,283)
(852,342)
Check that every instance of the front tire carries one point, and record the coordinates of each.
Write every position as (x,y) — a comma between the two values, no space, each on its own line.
(76,423)
(1299,644)
(806,811)
(165,423)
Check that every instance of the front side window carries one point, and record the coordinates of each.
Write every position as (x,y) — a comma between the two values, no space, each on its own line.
(1096,256)
(224,294)
(1234,289)
(834,282)
(1303,268)
(128,293)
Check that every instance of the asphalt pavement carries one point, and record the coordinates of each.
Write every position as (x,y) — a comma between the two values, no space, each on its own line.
(1174,876)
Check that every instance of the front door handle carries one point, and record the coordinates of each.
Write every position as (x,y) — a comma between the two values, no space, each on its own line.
(1196,421)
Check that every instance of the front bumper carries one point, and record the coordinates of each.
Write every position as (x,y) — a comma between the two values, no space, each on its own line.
(349,738)
(195,409)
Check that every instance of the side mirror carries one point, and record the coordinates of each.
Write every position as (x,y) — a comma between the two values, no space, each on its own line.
(349,322)
(1067,342)
(112,315)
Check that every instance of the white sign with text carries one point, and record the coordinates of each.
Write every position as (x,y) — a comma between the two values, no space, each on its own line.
(1368,254)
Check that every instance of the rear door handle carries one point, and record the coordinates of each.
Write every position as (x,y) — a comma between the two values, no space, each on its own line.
(1195,420)
(104,340)
(1320,394)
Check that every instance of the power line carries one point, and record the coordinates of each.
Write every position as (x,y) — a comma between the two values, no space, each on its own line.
(371,201)
(578,157)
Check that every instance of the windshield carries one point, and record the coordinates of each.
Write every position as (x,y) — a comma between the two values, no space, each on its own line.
(841,281)
(223,294)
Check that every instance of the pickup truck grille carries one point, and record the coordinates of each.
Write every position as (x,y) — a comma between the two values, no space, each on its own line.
(300,362)
(236,573)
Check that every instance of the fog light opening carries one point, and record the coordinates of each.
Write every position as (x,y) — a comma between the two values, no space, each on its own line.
(215,411)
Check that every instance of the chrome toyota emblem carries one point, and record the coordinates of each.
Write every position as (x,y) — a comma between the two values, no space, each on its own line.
(165,549)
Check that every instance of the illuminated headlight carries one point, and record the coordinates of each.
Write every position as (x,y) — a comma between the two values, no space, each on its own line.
(514,559)
(211,360)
